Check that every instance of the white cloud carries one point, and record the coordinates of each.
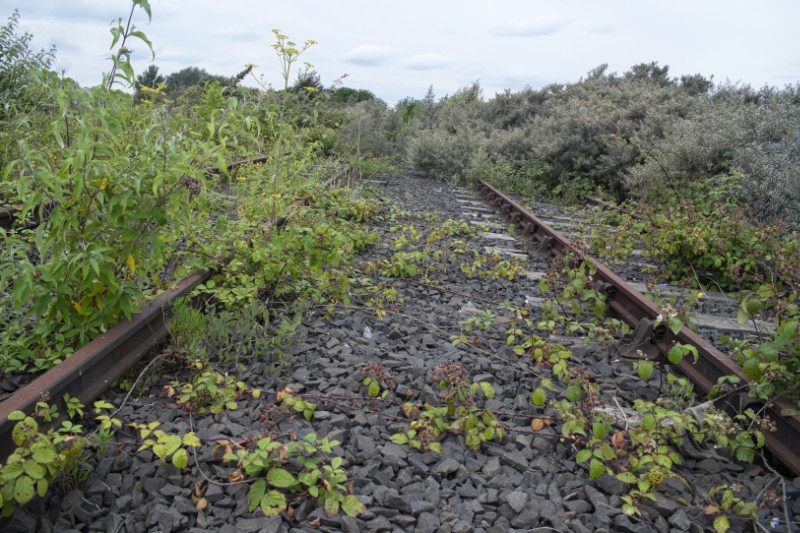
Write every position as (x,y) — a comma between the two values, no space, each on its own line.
(369,55)
(428,62)
(531,28)
(241,34)
(395,52)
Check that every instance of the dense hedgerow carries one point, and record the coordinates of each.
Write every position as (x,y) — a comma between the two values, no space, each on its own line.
(624,136)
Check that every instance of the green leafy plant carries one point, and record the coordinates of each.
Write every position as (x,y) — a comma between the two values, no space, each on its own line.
(40,459)
(106,235)
(378,381)
(37,459)
(209,391)
(724,499)
(326,483)
(459,415)
(289,400)
(771,360)
(166,446)
(18,60)
(121,69)
(574,306)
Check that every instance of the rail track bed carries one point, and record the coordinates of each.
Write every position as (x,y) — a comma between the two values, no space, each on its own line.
(447,319)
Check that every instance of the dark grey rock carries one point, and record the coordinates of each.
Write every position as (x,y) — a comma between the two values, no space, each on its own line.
(421,506)
(528,518)
(404,477)
(403,520)
(542,445)
(623,524)
(666,507)
(351,525)
(516,460)
(711,466)
(379,524)
(611,485)
(184,505)
(366,445)
(547,509)
(517,500)
(382,476)
(468,490)
(393,450)
(171,490)
(214,493)
(123,504)
(393,500)
(492,467)
(152,485)
(578,506)
(680,520)
(262,525)
(122,462)
(21,522)
(427,523)
(446,467)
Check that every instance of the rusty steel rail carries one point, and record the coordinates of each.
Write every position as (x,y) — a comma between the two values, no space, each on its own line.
(650,335)
(9,214)
(93,368)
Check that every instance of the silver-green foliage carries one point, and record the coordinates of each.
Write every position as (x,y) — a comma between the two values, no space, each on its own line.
(17,60)
(626,135)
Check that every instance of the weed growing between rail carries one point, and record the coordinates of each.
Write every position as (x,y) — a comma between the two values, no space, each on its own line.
(121,181)
(130,180)
(134,193)
(125,181)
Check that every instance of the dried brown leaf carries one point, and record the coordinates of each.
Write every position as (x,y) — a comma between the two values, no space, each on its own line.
(618,440)
(201,504)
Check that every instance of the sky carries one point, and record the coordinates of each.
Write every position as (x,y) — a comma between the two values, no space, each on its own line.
(399,49)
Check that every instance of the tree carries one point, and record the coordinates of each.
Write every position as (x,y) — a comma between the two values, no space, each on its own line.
(179,82)
(348,96)
(696,84)
(650,71)
(308,81)
(149,78)
(17,59)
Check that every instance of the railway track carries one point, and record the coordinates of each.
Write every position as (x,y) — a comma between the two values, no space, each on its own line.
(641,314)
(92,369)
(503,485)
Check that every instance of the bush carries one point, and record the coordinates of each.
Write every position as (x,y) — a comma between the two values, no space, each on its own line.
(17,61)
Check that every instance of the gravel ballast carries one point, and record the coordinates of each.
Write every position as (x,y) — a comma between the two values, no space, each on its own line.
(527,481)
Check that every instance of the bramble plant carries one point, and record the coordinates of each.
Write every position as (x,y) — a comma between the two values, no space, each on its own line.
(459,415)
(210,391)
(326,483)
(36,461)
(574,306)
(379,382)
(772,360)
(723,499)
(289,400)
(165,445)
(39,459)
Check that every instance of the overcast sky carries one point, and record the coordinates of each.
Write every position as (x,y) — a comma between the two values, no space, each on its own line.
(399,48)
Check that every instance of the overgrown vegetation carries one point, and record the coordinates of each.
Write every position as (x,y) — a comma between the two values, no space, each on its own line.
(119,196)
(117,182)
(626,136)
